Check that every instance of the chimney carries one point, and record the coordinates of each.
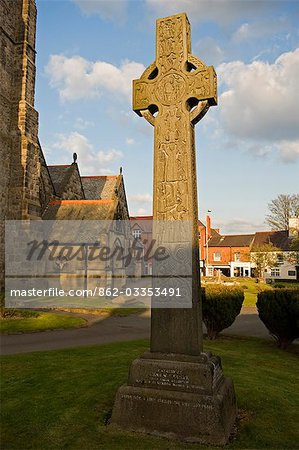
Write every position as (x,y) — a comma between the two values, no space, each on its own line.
(293,227)
(208,224)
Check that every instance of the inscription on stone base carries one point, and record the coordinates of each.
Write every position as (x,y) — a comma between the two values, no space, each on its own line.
(207,419)
(204,378)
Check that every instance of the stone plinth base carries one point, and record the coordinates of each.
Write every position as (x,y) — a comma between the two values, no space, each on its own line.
(181,397)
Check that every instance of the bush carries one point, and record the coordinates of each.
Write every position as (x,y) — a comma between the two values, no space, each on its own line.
(220,307)
(279,311)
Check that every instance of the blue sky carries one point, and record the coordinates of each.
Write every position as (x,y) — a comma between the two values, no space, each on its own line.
(88,51)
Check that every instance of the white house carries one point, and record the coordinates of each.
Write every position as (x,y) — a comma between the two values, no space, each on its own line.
(284,269)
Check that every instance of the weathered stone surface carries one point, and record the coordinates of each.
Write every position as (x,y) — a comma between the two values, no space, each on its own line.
(189,376)
(176,82)
(176,389)
(20,166)
(190,401)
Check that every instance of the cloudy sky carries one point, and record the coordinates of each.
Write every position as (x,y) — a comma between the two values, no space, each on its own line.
(88,52)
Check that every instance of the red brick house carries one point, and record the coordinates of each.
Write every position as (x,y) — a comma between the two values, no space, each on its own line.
(230,254)
(205,234)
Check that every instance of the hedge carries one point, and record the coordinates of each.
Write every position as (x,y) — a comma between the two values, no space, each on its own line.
(220,307)
(279,311)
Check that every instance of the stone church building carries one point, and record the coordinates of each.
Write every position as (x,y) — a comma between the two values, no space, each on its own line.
(29,188)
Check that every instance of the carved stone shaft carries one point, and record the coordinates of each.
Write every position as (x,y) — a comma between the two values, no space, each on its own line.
(180,88)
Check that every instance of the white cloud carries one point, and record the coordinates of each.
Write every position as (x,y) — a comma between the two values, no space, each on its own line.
(103,171)
(220,11)
(73,143)
(243,32)
(258,29)
(238,226)
(141,204)
(141,198)
(90,161)
(107,157)
(130,141)
(81,124)
(209,50)
(143,212)
(289,151)
(260,103)
(135,211)
(107,9)
(77,78)
(260,150)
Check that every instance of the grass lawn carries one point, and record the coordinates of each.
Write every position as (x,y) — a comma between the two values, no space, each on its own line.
(251,290)
(121,312)
(125,311)
(39,322)
(60,399)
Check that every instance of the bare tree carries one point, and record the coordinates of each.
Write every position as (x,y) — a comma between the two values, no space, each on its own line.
(281,209)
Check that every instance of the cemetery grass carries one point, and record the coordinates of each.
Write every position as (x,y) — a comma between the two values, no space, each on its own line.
(251,289)
(39,321)
(62,399)
(120,312)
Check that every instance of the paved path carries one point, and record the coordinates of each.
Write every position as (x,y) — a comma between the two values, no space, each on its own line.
(112,329)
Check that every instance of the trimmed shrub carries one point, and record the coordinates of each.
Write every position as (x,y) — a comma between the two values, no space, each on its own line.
(279,311)
(220,307)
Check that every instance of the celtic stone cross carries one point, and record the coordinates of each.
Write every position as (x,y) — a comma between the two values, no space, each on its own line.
(176,390)
(179,88)
(173,94)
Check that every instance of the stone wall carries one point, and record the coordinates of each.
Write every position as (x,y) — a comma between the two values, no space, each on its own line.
(10,13)
(46,191)
(19,152)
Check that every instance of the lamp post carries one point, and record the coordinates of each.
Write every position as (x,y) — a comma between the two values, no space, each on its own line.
(207,245)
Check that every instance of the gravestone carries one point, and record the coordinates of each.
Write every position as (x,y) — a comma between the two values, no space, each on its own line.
(176,389)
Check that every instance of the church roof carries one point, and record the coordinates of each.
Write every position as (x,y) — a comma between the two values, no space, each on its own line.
(80,210)
(99,187)
(58,174)
(99,198)
(62,176)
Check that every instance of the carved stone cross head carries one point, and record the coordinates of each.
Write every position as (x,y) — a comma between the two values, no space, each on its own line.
(176,78)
